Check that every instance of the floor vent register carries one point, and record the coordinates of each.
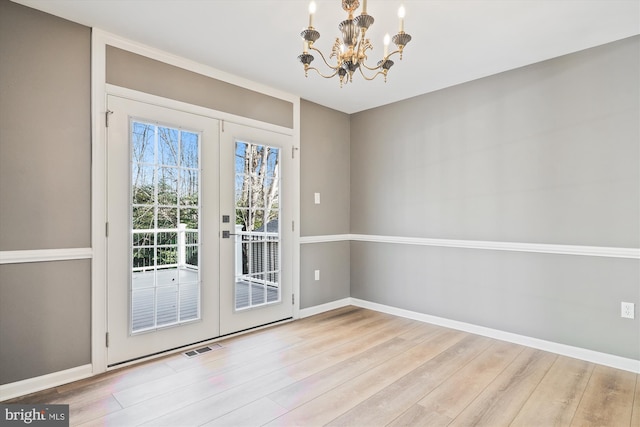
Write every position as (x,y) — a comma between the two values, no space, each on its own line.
(199,351)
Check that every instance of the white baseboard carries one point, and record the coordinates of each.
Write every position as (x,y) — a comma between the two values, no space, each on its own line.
(317,309)
(32,385)
(610,360)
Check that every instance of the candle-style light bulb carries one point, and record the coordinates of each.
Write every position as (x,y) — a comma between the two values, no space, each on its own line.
(401,13)
(387,39)
(364,7)
(305,46)
(312,10)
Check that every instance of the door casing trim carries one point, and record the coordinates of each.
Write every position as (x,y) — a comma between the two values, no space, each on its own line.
(99,91)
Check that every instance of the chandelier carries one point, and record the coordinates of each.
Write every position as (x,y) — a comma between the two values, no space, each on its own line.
(350,50)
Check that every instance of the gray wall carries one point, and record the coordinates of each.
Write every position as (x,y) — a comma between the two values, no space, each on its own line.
(548,153)
(332,259)
(45,179)
(137,72)
(45,318)
(45,133)
(324,166)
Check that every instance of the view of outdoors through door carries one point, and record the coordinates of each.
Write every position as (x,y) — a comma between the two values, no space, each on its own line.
(180,185)
(165,224)
(162,183)
(257,225)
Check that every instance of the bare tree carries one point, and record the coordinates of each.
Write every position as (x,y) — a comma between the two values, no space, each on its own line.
(259,194)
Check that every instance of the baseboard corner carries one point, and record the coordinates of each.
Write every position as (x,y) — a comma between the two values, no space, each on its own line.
(43,382)
(317,309)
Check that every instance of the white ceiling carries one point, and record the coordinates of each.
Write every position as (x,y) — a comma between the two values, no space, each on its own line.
(454,41)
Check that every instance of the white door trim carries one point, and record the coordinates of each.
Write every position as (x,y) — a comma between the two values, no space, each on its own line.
(99,91)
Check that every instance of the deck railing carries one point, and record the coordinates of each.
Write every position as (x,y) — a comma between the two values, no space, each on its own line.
(184,247)
(185,243)
(259,262)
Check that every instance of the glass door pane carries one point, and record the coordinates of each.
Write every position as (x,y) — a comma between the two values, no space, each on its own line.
(257,225)
(165,226)
(162,184)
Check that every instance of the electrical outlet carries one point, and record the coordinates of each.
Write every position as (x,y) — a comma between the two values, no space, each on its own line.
(317,274)
(627,310)
(316,198)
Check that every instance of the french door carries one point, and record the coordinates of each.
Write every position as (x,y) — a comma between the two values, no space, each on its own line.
(162,245)
(256,211)
(195,243)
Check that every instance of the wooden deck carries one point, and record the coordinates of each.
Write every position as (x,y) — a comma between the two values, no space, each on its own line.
(356,367)
(260,294)
(168,296)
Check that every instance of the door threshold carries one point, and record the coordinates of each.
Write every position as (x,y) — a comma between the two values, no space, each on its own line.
(194,346)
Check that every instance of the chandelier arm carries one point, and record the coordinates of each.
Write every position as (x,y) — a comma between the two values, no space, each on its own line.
(320,74)
(336,68)
(397,51)
(370,78)
(393,53)
(362,64)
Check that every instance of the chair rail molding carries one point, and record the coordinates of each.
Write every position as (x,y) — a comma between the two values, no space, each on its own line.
(44,255)
(545,248)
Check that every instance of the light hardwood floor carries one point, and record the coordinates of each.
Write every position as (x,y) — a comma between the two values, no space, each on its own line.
(356,367)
